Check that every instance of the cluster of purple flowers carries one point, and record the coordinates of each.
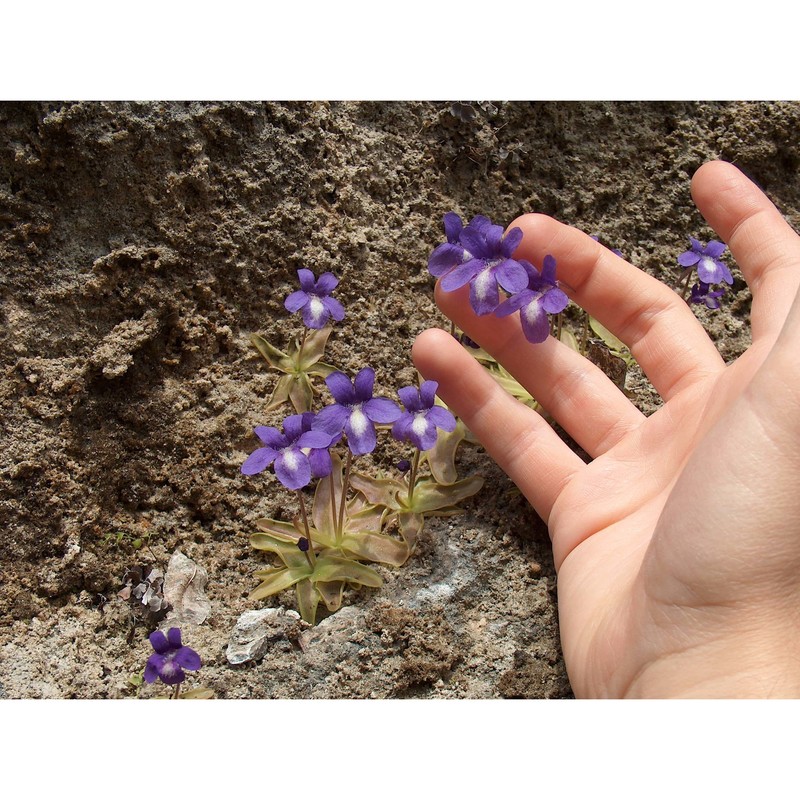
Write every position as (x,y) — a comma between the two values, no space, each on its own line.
(302,450)
(479,254)
(711,271)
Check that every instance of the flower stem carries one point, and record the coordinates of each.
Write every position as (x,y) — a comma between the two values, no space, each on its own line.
(312,559)
(334,516)
(412,476)
(302,345)
(343,501)
(686,284)
(177,694)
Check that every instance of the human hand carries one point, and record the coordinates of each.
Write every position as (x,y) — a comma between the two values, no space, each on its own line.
(678,546)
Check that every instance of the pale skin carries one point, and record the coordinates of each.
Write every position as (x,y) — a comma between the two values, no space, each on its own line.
(678,545)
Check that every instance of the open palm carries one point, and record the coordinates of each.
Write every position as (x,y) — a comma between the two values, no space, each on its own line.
(678,546)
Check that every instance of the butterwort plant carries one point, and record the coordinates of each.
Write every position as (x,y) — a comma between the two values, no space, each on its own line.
(352,514)
(482,255)
(302,362)
(705,263)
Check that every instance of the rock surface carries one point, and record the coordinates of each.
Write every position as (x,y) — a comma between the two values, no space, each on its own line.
(140,246)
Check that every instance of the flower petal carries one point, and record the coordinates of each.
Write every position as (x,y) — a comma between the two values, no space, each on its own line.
(444,258)
(494,238)
(381,410)
(474,240)
(174,638)
(341,388)
(511,275)
(292,468)
(363,384)
(554,301)
(295,301)
(153,667)
(427,393)
(318,439)
(187,658)
(515,303)
(259,460)
(334,308)
(549,270)
(484,296)
(271,437)
(461,275)
(452,226)
(689,258)
(480,222)
(306,278)
(422,433)
(172,676)
(714,249)
(708,270)
(292,428)
(159,642)
(327,283)
(410,398)
(442,418)
(400,428)
(315,314)
(320,462)
(535,323)
(511,242)
(360,432)
(332,418)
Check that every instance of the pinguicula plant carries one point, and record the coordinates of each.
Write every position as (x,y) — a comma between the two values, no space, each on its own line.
(318,308)
(354,517)
(168,662)
(481,255)
(541,297)
(485,261)
(706,263)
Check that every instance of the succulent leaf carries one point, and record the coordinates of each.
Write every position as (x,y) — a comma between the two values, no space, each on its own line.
(335,568)
(278,580)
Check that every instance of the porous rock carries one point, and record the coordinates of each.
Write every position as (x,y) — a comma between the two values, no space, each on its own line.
(256,630)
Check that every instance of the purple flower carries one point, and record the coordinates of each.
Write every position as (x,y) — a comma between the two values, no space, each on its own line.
(452,252)
(170,658)
(490,267)
(710,268)
(542,297)
(448,255)
(422,416)
(299,453)
(701,294)
(356,411)
(313,299)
